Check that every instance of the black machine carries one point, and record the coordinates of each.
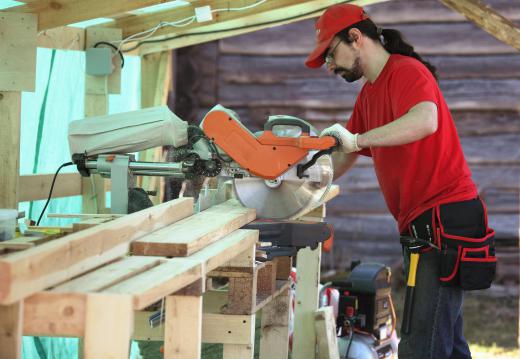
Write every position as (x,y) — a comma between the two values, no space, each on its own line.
(366,317)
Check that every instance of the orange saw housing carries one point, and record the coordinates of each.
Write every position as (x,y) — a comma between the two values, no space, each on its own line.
(266,156)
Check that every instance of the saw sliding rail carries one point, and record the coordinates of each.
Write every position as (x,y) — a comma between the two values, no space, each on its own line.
(170,169)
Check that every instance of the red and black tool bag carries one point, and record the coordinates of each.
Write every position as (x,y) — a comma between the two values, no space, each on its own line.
(467,245)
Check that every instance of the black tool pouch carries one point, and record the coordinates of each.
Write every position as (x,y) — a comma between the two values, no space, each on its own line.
(467,257)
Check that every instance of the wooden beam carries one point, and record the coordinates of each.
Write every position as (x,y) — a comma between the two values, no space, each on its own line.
(18,49)
(158,282)
(274,339)
(325,325)
(11,325)
(55,314)
(97,89)
(488,19)
(55,13)
(225,24)
(222,251)
(109,323)
(183,327)
(37,187)
(63,38)
(307,282)
(10,108)
(196,232)
(38,268)
(216,328)
(109,275)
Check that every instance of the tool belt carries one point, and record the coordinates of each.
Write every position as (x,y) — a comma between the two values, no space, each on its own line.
(465,243)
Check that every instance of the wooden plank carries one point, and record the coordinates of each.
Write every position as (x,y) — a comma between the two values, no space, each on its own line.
(325,325)
(228,24)
(228,329)
(216,328)
(428,11)
(55,314)
(18,49)
(307,281)
(158,282)
(455,39)
(274,339)
(109,322)
(89,223)
(10,107)
(11,324)
(183,327)
(35,269)
(36,187)
(266,69)
(62,38)
(53,13)
(487,19)
(223,250)
(108,275)
(196,232)
(323,93)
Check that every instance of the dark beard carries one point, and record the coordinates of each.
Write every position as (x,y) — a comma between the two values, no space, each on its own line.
(350,75)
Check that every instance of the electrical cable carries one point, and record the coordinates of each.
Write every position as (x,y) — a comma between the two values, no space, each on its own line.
(114,47)
(351,324)
(140,43)
(50,192)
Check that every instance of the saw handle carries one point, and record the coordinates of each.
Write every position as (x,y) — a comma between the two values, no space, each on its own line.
(301,168)
(284,121)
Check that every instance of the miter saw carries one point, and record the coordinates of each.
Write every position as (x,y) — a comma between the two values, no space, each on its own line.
(281,171)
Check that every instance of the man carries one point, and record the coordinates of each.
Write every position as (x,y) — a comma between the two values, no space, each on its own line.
(401,120)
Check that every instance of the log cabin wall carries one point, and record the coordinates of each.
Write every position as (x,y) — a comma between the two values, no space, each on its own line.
(262,73)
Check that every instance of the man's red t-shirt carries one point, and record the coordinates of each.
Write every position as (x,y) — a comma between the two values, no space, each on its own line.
(422,174)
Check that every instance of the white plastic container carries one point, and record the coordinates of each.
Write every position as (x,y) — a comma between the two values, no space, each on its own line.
(7,223)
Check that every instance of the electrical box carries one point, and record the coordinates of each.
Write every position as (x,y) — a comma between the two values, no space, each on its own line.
(99,61)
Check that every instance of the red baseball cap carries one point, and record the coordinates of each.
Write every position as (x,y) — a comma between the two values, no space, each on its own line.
(332,21)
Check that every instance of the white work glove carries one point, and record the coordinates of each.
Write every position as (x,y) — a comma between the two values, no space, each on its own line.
(346,139)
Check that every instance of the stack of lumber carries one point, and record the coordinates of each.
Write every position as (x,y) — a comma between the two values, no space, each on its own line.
(86,284)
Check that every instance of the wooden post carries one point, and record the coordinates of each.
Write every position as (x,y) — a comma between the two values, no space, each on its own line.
(17,73)
(97,89)
(156,82)
(308,279)
(109,324)
(274,341)
(183,327)
(326,333)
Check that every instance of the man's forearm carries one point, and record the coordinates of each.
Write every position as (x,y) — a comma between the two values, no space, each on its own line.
(342,162)
(418,123)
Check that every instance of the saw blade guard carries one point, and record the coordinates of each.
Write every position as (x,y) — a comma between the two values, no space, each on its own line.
(288,196)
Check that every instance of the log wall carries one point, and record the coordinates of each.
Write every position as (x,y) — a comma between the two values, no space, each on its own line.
(262,73)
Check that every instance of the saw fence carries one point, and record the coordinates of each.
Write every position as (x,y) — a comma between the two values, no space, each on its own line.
(99,282)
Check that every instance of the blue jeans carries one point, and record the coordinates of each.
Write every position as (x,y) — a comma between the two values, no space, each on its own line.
(436,324)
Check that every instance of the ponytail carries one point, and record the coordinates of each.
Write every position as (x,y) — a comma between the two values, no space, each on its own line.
(392,40)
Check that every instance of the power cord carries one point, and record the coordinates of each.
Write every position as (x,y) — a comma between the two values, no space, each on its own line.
(351,324)
(52,187)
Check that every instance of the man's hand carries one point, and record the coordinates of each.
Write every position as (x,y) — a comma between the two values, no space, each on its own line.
(347,140)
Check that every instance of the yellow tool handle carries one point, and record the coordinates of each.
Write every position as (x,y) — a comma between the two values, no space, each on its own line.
(414,262)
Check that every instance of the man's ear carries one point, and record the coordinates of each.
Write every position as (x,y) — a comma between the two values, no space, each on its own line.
(356,36)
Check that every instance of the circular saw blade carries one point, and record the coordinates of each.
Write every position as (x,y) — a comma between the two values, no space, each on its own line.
(288,197)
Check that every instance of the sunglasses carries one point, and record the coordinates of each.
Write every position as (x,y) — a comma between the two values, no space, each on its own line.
(329,58)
